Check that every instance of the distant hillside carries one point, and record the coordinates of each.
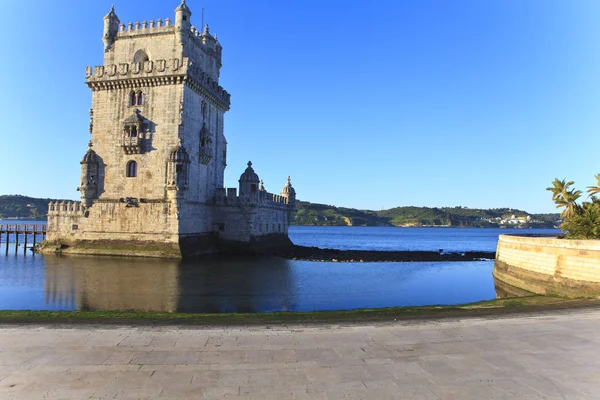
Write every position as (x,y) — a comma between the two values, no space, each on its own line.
(323,215)
(320,214)
(23,207)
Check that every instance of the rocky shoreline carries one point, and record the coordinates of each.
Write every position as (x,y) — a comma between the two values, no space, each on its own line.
(335,255)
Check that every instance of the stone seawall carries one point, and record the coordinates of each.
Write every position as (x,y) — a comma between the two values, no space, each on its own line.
(549,266)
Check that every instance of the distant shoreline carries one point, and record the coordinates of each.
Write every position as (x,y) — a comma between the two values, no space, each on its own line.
(24,208)
(359,226)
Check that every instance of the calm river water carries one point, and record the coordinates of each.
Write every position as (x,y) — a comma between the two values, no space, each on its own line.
(36,282)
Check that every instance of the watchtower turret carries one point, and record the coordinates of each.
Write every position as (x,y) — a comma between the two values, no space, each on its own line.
(249,182)
(183,14)
(289,192)
(111,28)
(90,173)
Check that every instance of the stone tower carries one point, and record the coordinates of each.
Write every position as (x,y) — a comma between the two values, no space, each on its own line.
(155,175)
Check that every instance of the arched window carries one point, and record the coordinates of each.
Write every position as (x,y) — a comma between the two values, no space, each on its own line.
(140,56)
(132,131)
(140,98)
(132,99)
(131,170)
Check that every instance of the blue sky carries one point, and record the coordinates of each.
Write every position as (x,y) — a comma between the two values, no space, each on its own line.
(366,104)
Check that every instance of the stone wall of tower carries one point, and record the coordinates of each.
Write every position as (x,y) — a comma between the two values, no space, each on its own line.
(159,43)
(161,110)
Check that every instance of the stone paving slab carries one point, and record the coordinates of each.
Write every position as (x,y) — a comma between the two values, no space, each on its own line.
(549,356)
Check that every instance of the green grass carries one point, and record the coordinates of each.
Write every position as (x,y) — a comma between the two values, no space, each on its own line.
(490,306)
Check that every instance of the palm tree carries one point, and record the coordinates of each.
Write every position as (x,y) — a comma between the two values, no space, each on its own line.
(565,197)
(593,190)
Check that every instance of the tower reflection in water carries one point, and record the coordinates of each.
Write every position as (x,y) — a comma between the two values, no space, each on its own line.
(208,285)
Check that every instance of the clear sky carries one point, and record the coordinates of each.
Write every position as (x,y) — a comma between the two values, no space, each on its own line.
(366,104)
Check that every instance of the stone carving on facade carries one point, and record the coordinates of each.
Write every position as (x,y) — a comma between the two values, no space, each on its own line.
(205,145)
(134,132)
(90,176)
(178,169)
(91,126)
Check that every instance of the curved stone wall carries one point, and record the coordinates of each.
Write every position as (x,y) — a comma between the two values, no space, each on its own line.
(549,266)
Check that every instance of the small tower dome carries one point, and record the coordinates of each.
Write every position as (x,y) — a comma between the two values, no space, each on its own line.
(249,175)
(183,7)
(289,192)
(90,156)
(111,14)
(249,182)
(207,38)
(288,189)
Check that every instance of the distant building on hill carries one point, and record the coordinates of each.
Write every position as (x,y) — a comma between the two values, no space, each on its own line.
(152,178)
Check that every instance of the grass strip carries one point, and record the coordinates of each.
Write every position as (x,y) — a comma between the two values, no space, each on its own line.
(490,307)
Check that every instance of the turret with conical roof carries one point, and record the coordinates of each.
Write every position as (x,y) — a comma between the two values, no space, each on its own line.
(183,23)
(111,29)
(179,161)
(289,192)
(90,175)
(249,182)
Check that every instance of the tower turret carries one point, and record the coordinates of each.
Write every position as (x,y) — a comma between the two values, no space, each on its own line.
(183,14)
(207,39)
(289,192)
(90,171)
(249,182)
(111,28)
(178,167)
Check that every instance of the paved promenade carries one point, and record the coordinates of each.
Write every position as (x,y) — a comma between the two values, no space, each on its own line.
(550,356)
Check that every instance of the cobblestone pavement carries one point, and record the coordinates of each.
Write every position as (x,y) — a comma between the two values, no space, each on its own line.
(549,356)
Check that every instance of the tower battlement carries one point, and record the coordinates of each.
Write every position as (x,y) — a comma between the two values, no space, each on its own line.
(158,72)
(70,208)
(228,196)
(146,28)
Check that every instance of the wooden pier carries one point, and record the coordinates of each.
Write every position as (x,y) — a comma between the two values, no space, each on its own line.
(24,232)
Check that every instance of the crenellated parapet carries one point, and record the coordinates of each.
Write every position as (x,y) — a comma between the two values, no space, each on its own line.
(152,27)
(66,208)
(156,73)
(147,69)
(229,197)
(202,82)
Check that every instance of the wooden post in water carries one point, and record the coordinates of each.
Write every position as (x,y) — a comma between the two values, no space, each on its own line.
(17,238)
(34,235)
(6,240)
(25,243)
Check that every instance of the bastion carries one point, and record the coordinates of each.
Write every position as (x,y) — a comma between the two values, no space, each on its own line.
(549,266)
(152,179)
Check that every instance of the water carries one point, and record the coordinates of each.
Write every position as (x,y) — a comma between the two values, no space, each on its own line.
(36,282)
(395,238)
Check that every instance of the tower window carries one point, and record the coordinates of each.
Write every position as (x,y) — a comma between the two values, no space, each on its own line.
(185,18)
(140,56)
(136,99)
(131,170)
